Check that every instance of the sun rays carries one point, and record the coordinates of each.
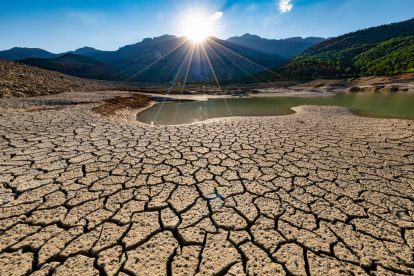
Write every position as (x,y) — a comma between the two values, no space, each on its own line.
(197,27)
(197,55)
(197,24)
(195,59)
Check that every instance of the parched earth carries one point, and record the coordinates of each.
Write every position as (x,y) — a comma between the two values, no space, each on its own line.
(320,192)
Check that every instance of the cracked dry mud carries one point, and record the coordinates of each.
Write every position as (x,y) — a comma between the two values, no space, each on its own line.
(320,192)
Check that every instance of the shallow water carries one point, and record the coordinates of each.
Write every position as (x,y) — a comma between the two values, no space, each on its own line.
(396,105)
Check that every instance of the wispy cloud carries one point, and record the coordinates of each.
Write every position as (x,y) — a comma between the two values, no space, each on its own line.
(285,6)
(216,16)
(85,18)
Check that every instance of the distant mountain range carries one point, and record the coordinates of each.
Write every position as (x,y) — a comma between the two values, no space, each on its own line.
(286,48)
(167,59)
(17,53)
(383,50)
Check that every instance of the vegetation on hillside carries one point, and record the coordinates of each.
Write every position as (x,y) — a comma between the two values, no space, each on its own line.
(380,50)
(390,57)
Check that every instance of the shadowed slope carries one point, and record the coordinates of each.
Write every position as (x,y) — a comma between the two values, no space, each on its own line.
(76,65)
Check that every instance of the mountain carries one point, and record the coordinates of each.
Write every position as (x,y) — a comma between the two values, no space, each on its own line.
(17,53)
(387,49)
(75,65)
(177,59)
(286,48)
(161,60)
(88,52)
(134,58)
(174,59)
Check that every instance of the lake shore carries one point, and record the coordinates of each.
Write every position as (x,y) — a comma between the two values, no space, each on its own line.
(321,87)
(193,109)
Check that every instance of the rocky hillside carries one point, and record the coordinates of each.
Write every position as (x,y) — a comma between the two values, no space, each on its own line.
(18,80)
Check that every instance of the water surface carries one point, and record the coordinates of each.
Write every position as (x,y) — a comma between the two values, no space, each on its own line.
(395,105)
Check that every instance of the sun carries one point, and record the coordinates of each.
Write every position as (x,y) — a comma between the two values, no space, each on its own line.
(197,26)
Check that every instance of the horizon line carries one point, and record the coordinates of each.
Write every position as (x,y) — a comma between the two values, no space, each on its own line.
(155,37)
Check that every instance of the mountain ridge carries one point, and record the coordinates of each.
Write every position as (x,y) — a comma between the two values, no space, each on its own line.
(385,49)
(17,53)
(286,48)
(163,59)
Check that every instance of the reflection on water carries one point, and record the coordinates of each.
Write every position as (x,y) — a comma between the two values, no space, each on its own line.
(397,105)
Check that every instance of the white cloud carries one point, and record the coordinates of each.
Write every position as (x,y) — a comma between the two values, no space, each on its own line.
(285,6)
(216,16)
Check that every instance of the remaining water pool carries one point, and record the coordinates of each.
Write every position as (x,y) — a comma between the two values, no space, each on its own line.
(396,105)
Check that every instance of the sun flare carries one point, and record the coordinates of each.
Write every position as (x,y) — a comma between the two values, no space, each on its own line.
(197,26)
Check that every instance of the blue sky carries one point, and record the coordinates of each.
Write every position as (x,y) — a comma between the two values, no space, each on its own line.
(62,25)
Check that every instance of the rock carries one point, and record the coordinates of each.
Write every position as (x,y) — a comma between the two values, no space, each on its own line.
(354,89)
(391,89)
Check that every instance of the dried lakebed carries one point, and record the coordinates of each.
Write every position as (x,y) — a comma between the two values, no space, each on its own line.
(318,192)
(394,105)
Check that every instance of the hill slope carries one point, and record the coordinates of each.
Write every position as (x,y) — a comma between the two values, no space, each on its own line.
(286,48)
(75,65)
(387,58)
(20,80)
(379,50)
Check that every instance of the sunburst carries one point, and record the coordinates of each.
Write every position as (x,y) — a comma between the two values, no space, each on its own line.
(197,25)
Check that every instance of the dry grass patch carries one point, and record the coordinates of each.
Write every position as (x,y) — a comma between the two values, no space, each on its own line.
(118,103)
(43,108)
